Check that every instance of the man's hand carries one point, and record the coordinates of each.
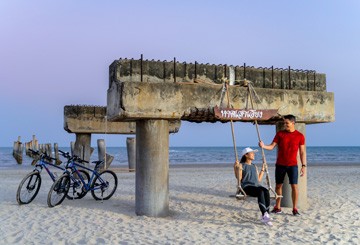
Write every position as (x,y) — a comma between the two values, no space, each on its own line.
(302,171)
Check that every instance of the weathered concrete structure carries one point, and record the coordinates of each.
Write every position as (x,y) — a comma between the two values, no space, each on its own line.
(195,102)
(87,120)
(153,93)
(81,119)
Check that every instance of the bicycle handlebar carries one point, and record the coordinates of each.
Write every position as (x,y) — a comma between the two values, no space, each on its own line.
(65,154)
(42,155)
(73,157)
(34,152)
(78,159)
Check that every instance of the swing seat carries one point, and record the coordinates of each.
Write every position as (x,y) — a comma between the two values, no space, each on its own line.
(242,197)
(276,197)
(238,195)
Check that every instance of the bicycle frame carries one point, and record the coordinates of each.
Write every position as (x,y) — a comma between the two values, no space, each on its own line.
(73,165)
(43,164)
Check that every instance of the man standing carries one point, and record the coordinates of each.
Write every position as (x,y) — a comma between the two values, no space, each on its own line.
(289,142)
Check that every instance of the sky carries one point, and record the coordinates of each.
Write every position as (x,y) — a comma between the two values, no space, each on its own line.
(57,53)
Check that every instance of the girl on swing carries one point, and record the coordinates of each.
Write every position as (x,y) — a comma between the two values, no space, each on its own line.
(249,179)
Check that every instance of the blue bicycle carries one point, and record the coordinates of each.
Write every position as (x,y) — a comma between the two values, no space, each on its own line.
(101,184)
(30,185)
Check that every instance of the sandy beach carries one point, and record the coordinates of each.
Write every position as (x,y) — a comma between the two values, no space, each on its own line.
(201,212)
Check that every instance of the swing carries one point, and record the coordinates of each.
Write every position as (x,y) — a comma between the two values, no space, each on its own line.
(240,193)
(268,182)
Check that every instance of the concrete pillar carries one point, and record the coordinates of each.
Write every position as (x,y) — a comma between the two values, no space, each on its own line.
(101,151)
(152,168)
(131,152)
(102,155)
(82,146)
(72,147)
(286,201)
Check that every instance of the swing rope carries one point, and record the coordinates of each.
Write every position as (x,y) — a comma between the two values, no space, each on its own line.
(232,125)
(106,129)
(268,182)
(240,193)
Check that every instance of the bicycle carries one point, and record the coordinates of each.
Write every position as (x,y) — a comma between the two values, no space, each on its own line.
(75,175)
(30,185)
(101,184)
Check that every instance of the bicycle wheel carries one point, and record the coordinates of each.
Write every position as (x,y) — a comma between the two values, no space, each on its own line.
(104,185)
(28,188)
(77,190)
(58,190)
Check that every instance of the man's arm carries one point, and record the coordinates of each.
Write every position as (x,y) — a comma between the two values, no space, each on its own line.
(267,147)
(303,159)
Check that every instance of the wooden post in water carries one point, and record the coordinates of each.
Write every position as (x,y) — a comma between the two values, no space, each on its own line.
(56,151)
(18,151)
(103,155)
(27,147)
(34,144)
(48,150)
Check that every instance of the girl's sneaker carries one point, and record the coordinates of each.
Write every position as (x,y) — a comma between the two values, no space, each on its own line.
(266,219)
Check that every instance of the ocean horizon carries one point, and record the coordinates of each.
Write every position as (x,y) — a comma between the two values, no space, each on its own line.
(316,155)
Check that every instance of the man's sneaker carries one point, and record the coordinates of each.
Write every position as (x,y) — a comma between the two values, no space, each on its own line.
(266,219)
(276,210)
(295,212)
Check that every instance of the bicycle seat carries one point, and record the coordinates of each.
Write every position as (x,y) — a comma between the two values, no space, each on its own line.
(97,162)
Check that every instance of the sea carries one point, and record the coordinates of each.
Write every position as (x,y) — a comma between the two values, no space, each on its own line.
(316,155)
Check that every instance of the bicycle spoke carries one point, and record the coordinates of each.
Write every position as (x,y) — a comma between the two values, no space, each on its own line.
(58,190)
(28,188)
(104,185)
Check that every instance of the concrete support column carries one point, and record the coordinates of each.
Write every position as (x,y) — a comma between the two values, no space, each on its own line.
(152,168)
(131,153)
(82,146)
(102,155)
(286,201)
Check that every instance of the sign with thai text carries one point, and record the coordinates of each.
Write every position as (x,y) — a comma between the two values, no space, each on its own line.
(244,114)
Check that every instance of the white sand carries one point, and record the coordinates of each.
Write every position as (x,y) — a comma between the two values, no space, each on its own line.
(201,213)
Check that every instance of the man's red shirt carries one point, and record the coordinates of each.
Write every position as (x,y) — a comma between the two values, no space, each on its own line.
(288,146)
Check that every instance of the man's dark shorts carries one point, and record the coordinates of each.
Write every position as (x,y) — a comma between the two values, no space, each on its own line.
(281,171)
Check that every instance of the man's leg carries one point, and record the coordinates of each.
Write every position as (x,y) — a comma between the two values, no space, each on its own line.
(293,174)
(294,194)
(280,173)
(278,191)
(293,180)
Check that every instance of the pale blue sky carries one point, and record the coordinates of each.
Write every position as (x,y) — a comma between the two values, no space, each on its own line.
(54,54)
